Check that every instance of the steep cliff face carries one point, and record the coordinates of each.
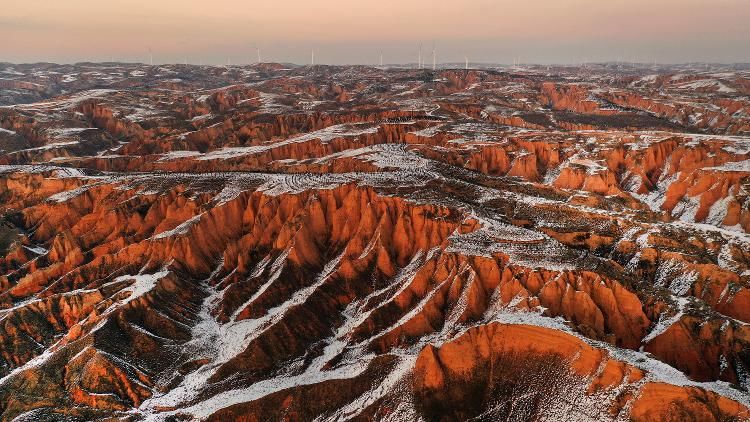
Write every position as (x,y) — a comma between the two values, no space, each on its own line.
(571,98)
(521,372)
(715,115)
(336,243)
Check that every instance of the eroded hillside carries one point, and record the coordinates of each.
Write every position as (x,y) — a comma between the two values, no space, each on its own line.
(354,243)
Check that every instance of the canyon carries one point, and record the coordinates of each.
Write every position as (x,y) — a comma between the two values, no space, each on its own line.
(279,242)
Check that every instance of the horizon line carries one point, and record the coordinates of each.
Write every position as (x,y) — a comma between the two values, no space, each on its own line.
(461,63)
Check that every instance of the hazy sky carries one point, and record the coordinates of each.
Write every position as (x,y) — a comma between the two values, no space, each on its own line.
(354,31)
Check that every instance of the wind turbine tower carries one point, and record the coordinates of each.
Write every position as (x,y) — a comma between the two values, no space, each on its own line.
(150,57)
(419,60)
(467,62)
(434,58)
(312,57)
(257,50)
(381,58)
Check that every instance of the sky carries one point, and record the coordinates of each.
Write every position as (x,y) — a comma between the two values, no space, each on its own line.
(356,31)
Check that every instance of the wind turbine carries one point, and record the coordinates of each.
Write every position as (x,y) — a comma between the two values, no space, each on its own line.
(312,57)
(381,58)
(467,62)
(150,57)
(419,61)
(257,49)
(434,57)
